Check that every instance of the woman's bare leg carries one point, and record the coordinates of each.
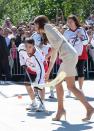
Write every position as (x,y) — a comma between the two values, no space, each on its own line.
(60,95)
(71,86)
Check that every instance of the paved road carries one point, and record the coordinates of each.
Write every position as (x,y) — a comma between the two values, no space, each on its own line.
(14,117)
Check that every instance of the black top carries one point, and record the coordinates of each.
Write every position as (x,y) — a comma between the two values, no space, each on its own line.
(4,52)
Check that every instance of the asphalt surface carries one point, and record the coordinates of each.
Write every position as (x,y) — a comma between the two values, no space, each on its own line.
(14,117)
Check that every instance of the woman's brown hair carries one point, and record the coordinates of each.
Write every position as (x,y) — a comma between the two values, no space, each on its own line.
(41,20)
(75,19)
(44,39)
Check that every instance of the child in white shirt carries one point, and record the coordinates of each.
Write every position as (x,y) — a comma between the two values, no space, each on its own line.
(32,59)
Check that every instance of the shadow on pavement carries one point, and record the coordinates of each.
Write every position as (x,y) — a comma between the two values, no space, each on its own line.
(90,98)
(65,126)
(39,115)
(51,99)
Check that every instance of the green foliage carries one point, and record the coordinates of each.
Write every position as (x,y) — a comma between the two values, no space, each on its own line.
(25,10)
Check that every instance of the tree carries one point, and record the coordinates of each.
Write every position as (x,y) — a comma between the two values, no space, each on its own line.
(25,10)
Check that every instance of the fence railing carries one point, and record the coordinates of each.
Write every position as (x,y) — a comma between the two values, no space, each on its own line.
(16,69)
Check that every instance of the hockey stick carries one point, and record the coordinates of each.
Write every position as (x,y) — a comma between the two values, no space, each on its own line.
(59,78)
(37,92)
(34,87)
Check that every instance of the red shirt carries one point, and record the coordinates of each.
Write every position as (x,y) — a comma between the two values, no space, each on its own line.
(84,55)
(30,71)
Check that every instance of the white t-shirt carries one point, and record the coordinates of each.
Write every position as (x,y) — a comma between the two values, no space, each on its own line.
(37,38)
(71,35)
(34,63)
(92,41)
(45,49)
(22,54)
(75,41)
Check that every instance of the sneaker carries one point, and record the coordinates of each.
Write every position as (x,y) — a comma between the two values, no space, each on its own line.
(51,94)
(33,106)
(41,108)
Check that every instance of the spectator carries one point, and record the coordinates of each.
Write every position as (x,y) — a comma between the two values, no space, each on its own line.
(4,64)
(13,55)
(7,32)
(20,36)
(90,20)
(14,30)
(7,23)
(27,34)
(1,31)
(91,44)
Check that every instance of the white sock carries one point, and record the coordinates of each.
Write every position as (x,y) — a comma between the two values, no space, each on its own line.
(69,92)
(51,92)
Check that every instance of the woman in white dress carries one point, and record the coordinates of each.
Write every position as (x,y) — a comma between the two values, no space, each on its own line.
(70,58)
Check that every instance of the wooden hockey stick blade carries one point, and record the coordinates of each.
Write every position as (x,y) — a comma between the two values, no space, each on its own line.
(60,77)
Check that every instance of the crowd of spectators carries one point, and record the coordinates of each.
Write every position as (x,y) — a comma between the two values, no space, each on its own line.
(12,36)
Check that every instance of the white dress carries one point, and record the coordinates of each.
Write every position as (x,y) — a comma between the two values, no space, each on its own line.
(66,52)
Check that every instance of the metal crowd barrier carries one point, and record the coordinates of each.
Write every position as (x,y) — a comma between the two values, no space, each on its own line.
(17,70)
(14,63)
(90,69)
